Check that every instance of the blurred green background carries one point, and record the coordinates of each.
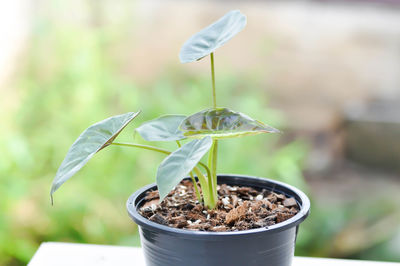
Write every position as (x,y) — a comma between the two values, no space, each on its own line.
(85,62)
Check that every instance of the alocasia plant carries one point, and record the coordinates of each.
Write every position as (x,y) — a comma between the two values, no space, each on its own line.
(203,129)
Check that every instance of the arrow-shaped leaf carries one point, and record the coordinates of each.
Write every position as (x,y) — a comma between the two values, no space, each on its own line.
(212,37)
(179,164)
(164,128)
(92,140)
(220,123)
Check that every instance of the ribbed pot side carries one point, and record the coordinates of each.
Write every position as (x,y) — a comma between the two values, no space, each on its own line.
(272,246)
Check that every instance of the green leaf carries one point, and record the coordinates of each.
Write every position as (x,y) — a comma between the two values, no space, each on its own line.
(164,128)
(179,164)
(92,140)
(220,123)
(212,37)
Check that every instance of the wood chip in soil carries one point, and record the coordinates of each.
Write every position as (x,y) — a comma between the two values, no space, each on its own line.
(238,208)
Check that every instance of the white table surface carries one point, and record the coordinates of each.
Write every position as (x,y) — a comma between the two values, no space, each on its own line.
(66,254)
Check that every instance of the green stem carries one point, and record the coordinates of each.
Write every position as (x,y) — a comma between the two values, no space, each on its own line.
(210,188)
(152,148)
(214,168)
(146,147)
(212,164)
(212,159)
(196,189)
(213,81)
(206,193)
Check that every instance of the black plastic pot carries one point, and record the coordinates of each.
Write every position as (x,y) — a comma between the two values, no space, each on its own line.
(272,246)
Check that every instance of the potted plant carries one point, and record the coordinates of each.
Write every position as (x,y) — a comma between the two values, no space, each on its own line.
(192,216)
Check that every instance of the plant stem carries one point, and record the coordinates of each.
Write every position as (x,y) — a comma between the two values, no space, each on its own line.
(204,186)
(213,81)
(196,188)
(214,167)
(210,188)
(212,159)
(152,148)
(146,147)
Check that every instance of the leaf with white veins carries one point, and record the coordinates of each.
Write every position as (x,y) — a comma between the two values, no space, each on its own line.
(220,123)
(92,140)
(212,37)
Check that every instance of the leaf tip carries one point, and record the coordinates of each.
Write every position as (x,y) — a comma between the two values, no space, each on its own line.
(51,199)
(161,195)
(275,130)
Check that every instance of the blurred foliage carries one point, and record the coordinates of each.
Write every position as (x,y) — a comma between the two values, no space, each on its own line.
(357,230)
(73,75)
(70,81)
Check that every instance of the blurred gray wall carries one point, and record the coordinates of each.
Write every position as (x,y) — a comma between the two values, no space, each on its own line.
(313,57)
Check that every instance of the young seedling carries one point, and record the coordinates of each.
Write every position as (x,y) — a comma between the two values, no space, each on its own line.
(203,129)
